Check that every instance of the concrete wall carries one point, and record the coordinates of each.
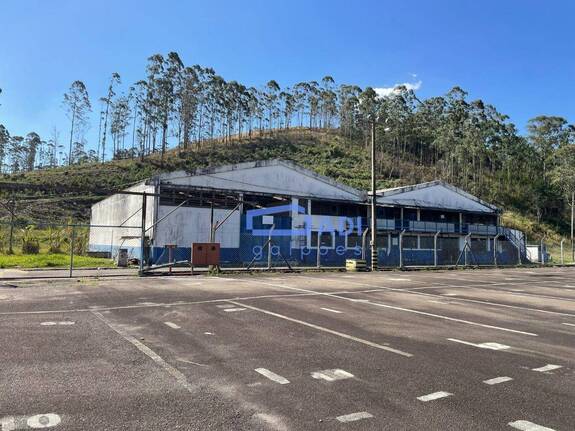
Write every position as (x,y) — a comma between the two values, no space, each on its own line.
(124,210)
(187,225)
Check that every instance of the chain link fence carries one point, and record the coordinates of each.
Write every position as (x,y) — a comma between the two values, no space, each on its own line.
(67,248)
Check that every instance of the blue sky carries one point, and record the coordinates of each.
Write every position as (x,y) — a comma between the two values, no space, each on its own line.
(516,54)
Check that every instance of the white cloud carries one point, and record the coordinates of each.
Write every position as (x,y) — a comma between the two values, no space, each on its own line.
(388,91)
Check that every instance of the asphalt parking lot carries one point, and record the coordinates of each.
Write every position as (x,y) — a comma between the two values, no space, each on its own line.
(445,350)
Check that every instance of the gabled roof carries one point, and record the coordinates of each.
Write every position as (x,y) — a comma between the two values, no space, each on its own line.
(434,195)
(266,176)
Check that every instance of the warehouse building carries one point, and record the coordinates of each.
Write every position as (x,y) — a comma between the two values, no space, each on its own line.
(278,210)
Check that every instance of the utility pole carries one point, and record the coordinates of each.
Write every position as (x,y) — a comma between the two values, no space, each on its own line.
(373,202)
(572,220)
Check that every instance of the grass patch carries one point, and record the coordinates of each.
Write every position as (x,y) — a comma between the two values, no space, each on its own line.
(51,261)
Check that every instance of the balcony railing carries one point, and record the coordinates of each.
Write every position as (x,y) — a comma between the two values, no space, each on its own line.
(433,227)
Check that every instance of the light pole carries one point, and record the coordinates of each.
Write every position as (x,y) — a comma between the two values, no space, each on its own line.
(373,241)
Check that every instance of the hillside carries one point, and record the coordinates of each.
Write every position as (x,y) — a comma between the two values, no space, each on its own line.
(66,193)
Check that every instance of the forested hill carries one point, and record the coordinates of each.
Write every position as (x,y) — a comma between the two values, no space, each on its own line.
(66,193)
(181,116)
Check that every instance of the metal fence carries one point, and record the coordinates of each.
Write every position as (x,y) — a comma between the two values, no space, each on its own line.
(66,249)
(84,249)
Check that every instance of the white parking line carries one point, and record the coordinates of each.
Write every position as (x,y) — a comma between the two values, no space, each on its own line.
(490,346)
(329,331)
(434,396)
(528,426)
(173,325)
(548,367)
(352,417)
(331,375)
(331,309)
(272,376)
(409,310)
(180,378)
(497,380)
(64,323)
(569,324)
(231,310)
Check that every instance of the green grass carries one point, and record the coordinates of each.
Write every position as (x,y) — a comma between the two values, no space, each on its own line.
(51,261)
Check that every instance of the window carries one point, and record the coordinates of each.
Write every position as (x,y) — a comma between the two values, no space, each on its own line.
(326,239)
(410,241)
(382,241)
(354,240)
(426,242)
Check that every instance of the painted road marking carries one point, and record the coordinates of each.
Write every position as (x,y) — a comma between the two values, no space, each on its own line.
(490,346)
(548,367)
(224,306)
(434,396)
(569,324)
(231,310)
(180,378)
(331,309)
(45,420)
(352,417)
(64,323)
(497,380)
(449,294)
(7,424)
(332,375)
(272,376)
(528,426)
(208,333)
(411,291)
(409,310)
(329,331)
(173,325)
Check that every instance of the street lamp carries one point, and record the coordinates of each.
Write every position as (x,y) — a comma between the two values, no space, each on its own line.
(373,241)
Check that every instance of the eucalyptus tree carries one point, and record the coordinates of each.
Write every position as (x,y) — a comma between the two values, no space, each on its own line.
(563,176)
(108,100)
(120,120)
(288,106)
(31,145)
(547,134)
(77,105)
(4,146)
(328,100)
(270,97)
(348,98)
(189,101)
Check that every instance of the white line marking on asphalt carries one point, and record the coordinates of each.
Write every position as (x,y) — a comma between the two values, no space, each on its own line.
(497,380)
(548,367)
(208,333)
(352,417)
(409,310)
(331,309)
(47,420)
(231,310)
(329,331)
(331,375)
(224,306)
(569,324)
(272,376)
(449,294)
(180,378)
(411,291)
(64,323)
(490,346)
(434,396)
(398,279)
(173,325)
(528,426)
(7,423)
